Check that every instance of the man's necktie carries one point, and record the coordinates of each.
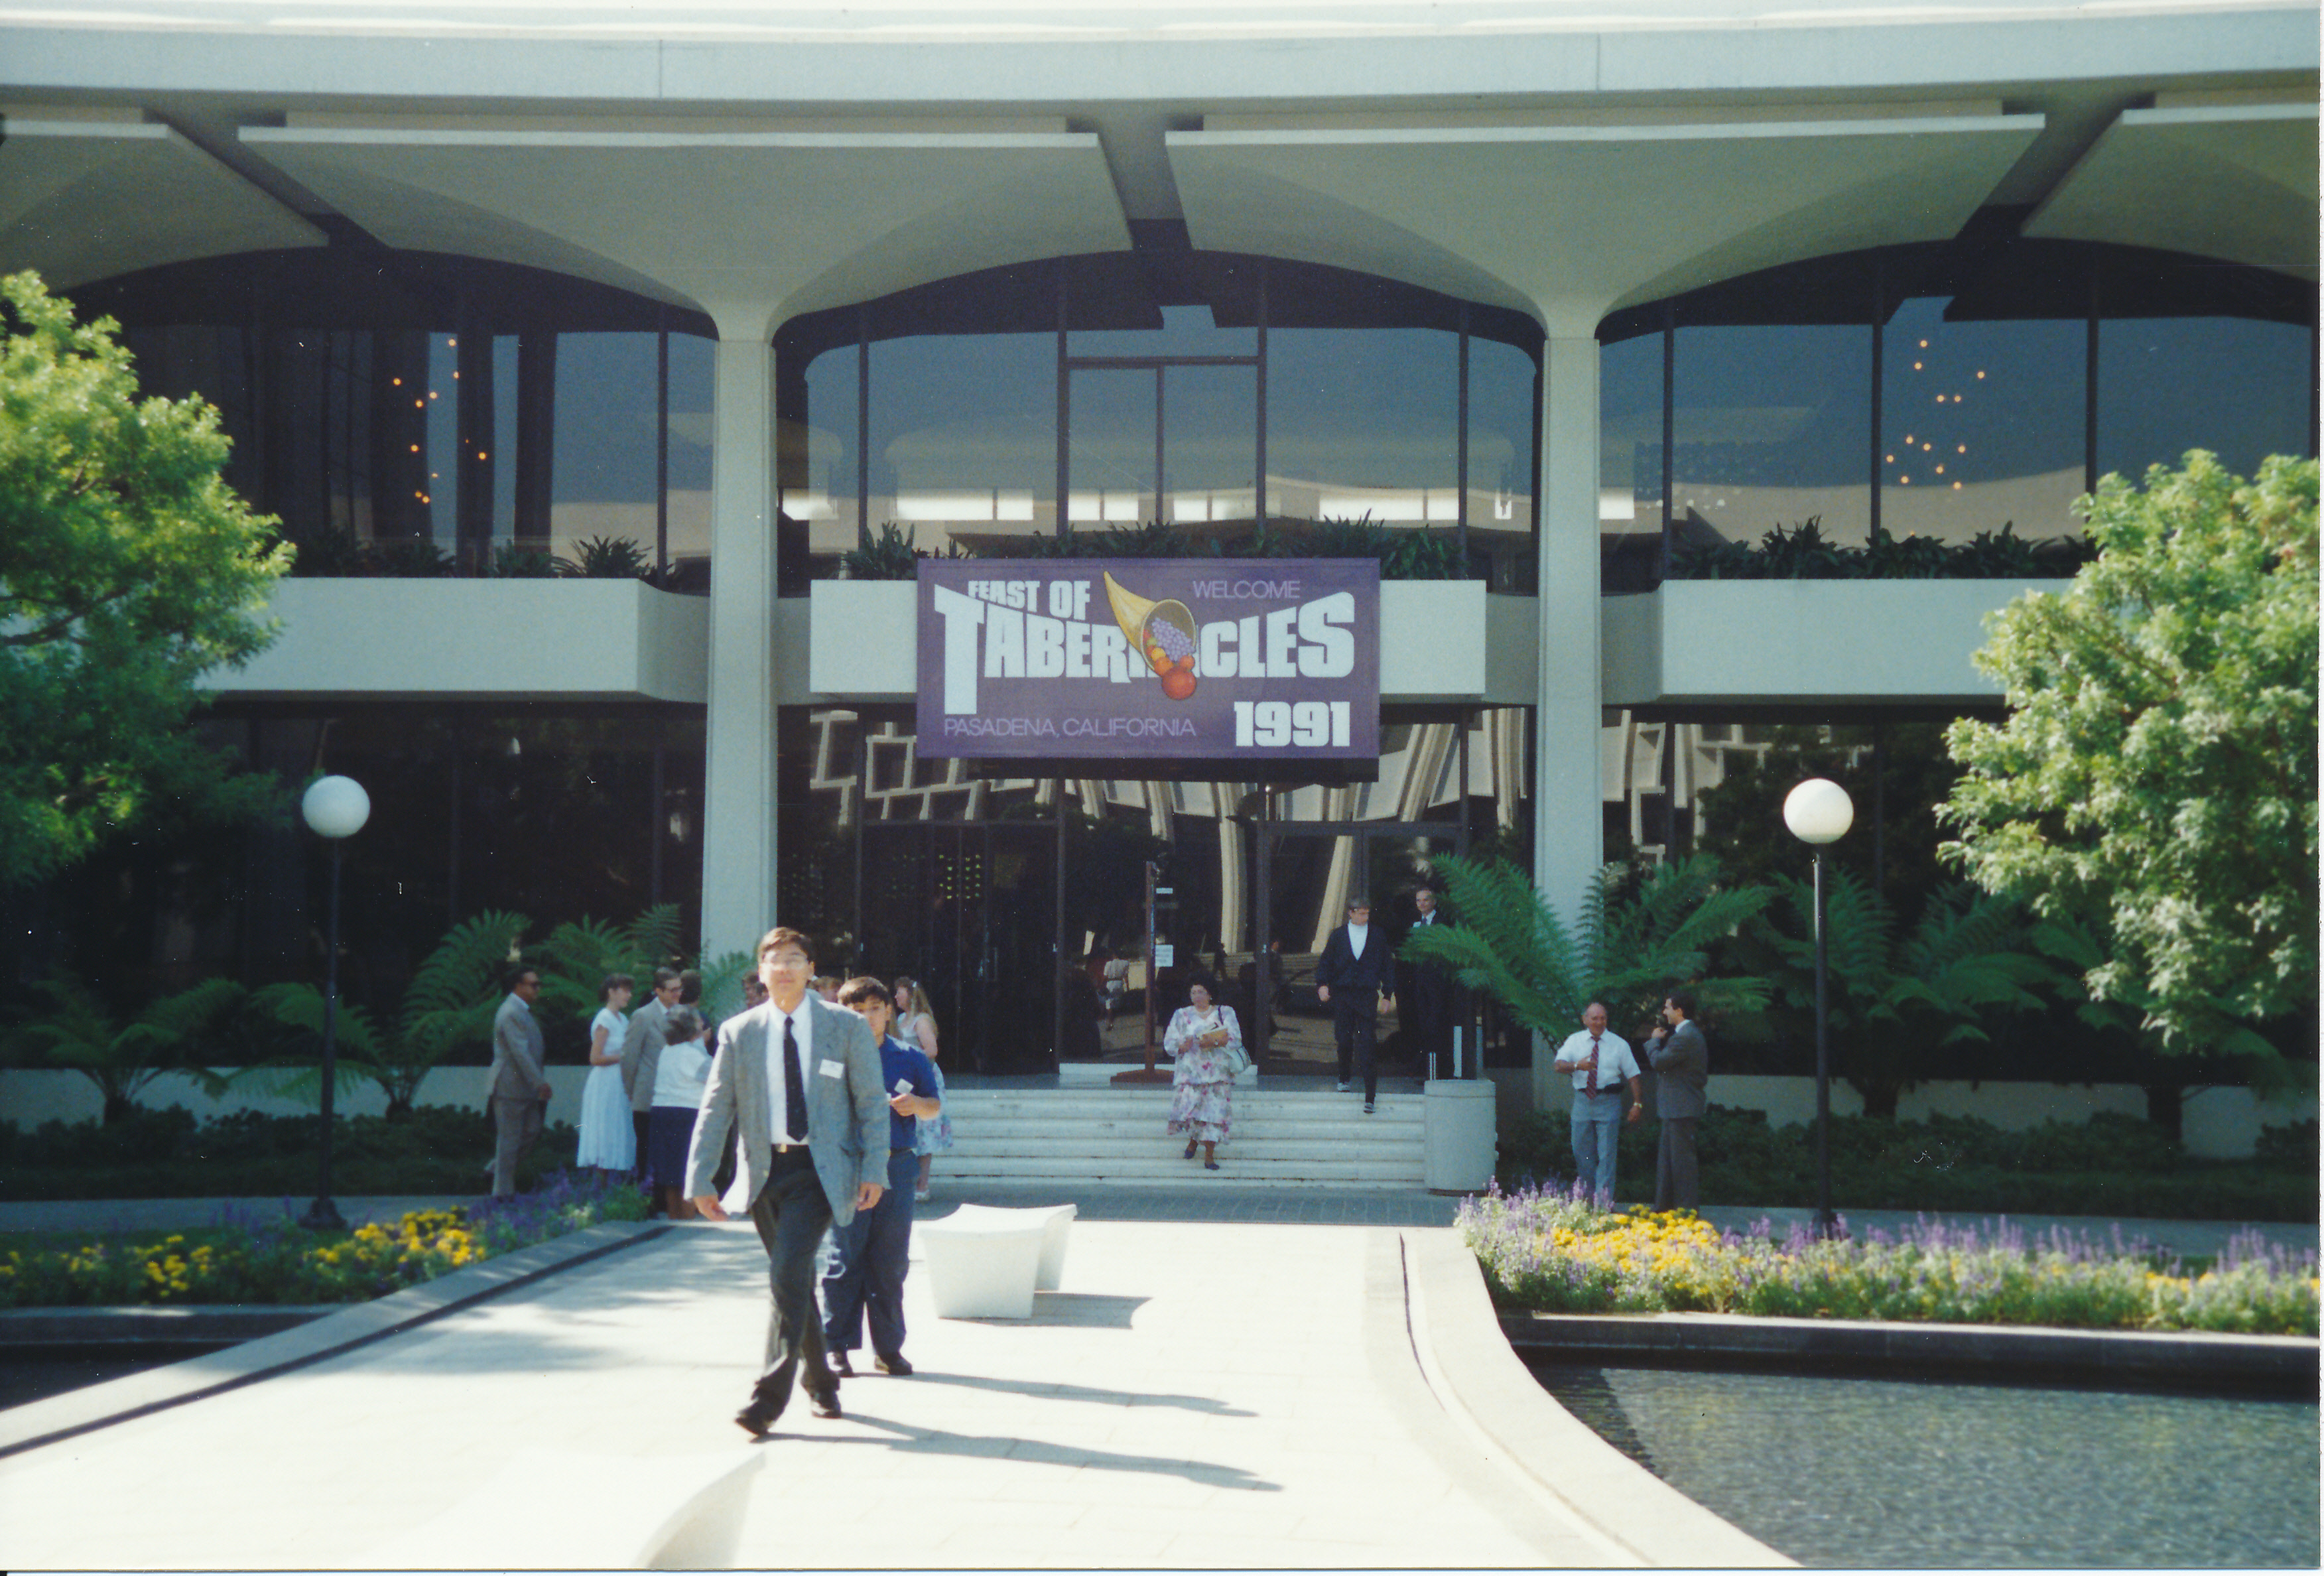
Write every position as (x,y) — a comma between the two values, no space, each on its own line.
(794,1087)
(1600,1073)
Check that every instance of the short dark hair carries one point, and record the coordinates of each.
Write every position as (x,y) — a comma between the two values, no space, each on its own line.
(864,988)
(514,974)
(1358,900)
(617,983)
(1681,1000)
(689,986)
(665,976)
(784,936)
(682,1025)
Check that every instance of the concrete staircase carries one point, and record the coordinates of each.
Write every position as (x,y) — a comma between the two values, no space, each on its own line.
(1105,1134)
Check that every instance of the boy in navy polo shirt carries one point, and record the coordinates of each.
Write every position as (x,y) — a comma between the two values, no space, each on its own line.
(865,1262)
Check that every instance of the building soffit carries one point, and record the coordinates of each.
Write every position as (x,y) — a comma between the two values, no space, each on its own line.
(78,200)
(750,227)
(2231,181)
(1571,222)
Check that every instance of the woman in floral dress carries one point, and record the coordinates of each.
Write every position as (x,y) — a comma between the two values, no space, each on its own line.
(1200,1037)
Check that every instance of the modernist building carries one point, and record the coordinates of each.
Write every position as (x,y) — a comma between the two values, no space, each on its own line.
(746,285)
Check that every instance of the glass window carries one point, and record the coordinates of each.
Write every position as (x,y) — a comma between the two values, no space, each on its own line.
(692,424)
(2239,387)
(607,426)
(1630,462)
(964,437)
(1981,424)
(1184,330)
(816,469)
(1503,429)
(1364,423)
(1769,427)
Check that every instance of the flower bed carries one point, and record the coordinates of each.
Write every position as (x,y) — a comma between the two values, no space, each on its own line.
(249,1259)
(1552,1251)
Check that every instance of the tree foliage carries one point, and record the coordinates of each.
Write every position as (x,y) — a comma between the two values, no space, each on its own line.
(128,569)
(1637,936)
(2156,776)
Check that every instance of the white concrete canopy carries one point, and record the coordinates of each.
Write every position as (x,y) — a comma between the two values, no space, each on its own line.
(78,201)
(1569,222)
(2232,181)
(763,223)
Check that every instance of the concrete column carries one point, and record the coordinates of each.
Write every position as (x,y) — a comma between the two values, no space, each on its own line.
(1568,820)
(738,813)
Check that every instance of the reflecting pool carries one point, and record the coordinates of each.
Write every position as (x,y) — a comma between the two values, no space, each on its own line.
(1882,1472)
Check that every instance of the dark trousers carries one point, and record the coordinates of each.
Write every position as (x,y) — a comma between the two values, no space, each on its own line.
(1675,1180)
(791,1212)
(643,1120)
(1355,1024)
(863,1267)
(516,1125)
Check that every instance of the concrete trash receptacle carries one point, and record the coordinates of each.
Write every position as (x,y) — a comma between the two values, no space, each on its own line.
(1457,1133)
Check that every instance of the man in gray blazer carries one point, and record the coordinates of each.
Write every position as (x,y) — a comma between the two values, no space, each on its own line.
(1681,1064)
(801,1080)
(642,1059)
(518,1080)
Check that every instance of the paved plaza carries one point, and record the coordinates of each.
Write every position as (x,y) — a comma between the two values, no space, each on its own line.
(1199,1393)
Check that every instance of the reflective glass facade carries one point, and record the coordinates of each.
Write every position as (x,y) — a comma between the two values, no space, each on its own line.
(1941,390)
(442,414)
(1156,389)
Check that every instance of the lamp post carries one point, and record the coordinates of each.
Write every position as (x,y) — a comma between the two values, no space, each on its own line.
(336,807)
(1818,811)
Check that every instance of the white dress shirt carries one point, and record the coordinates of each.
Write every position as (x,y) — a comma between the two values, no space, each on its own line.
(802,1019)
(1356,935)
(1616,1064)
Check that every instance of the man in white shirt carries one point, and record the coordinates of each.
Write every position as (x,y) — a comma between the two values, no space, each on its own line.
(1605,1079)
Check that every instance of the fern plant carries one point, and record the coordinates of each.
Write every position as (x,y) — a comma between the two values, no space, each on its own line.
(1894,1002)
(1634,938)
(448,1005)
(576,956)
(79,1033)
(410,558)
(608,557)
(512,562)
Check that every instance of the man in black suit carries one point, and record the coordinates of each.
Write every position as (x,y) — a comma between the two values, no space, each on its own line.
(1357,965)
(1428,996)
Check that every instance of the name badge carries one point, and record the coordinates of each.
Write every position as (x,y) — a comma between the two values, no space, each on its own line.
(832,1069)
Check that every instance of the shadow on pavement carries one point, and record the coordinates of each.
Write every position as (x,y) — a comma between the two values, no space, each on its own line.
(1063,1392)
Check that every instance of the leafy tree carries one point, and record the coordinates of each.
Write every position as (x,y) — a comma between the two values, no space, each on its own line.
(448,1005)
(1896,1001)
(127,570)
(2156,776)
(80,1033)
(1637,936)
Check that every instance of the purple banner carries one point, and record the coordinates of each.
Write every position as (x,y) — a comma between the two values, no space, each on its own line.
(1131,658)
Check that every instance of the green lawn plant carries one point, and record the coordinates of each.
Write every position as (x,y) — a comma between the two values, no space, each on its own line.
(1554,1251)
(1637,936)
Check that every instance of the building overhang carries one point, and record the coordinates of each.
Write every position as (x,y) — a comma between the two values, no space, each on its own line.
(1570,221)
(86,196)
(2235,181)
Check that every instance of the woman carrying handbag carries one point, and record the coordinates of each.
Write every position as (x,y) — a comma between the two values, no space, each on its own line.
(1206,1043)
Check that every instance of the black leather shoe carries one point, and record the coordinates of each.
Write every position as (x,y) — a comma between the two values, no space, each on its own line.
(841,1366)
(754,1420)
(895,1366)
(824,1402)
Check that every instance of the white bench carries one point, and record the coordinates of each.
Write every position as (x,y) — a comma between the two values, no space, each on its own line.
(560,1510)
(986,1263)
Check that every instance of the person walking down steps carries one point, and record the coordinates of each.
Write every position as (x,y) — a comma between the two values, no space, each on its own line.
(1356,979)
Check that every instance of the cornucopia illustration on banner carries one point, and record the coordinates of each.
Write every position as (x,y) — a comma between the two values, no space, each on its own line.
(1162,631)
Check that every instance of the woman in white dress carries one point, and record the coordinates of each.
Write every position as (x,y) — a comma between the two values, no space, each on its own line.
(609,1137)
(1201,1037)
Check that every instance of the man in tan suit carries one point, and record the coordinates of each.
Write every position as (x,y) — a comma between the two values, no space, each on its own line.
(518,1080)
(801,1080)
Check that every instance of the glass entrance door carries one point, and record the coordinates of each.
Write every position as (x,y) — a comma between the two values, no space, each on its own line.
(968,909)
(1305,873)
